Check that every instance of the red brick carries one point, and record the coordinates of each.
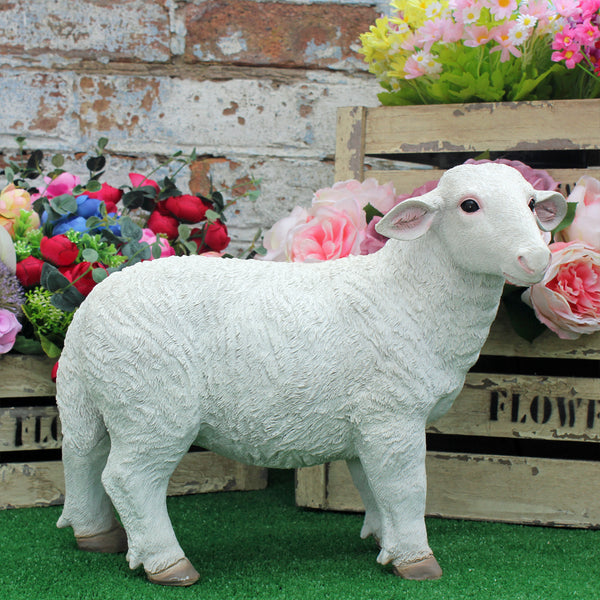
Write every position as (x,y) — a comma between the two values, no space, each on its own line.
(275,33)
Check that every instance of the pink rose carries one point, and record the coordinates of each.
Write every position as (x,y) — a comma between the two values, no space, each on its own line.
(138,180)
(149,237)
(372,241)
(567,300)
(63,184)
(380,197)
(586,225)
(334,232)
(9,327)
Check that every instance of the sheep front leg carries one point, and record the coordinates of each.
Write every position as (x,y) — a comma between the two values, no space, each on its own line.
(393,460)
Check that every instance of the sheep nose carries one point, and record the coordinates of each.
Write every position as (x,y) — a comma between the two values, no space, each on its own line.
(535,261)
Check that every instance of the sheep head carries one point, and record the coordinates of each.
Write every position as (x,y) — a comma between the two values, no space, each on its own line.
(487,217)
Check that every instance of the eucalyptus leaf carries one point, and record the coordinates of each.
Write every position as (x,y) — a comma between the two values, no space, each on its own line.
(96,163)
(212,216)
(52,279)
(9,174)
(156,250)
(99,275)
(65,204)
(25,345)
(130,230)
(93,185)
(184,231)
(58,160)
(68,299)
(102,142)
(89,255)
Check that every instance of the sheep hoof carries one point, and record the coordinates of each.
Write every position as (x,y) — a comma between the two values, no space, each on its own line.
(113,540)
(428,568)
(182,573)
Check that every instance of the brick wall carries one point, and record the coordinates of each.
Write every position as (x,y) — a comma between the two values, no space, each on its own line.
(253,85)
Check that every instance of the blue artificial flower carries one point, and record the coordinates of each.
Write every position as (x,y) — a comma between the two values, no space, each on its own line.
(88,207)
(70,222)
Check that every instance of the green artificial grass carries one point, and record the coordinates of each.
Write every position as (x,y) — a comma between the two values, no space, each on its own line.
(259,545)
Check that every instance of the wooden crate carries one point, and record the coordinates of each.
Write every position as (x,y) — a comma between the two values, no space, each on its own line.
(520,443)
(31,472)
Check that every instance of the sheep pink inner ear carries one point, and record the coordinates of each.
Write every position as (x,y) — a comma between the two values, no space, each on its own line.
(550,209)
(406,221)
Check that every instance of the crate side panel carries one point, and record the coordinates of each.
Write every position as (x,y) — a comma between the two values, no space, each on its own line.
(31,484)
(479,127)
(23,376)
(311,486)
(203,472)
(29,428)
(512,489)
(525,407)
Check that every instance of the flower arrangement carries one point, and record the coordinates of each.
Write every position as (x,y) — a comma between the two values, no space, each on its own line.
(59,237)
(445,51)
(341,221)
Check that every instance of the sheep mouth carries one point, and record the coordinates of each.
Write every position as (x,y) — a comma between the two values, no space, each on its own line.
(523,281)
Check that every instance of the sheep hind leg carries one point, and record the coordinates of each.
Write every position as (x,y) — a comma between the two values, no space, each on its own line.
(372,522)
(87,507)
(137,480)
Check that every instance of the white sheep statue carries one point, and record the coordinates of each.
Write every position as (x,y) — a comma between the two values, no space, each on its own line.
(344,359)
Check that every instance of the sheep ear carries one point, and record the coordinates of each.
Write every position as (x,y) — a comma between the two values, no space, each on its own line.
(408,220)
(550,209)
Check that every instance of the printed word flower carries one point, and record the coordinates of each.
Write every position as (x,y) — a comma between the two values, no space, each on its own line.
(567,300)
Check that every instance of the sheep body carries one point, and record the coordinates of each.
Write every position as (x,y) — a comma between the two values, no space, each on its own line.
(283,365)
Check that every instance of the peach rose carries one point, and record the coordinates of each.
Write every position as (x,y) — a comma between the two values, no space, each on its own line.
(567,300)
(586,224)
(12,201)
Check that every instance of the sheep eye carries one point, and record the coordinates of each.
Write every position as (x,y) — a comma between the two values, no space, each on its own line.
(532,205)
(469,205)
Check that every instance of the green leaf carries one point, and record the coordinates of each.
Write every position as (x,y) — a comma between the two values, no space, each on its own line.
(184,231)
(95,163)
(25,345)
(261,250)
(93,185)
(102,142)
(130,230)
(89,255)
(156,250)
(58,160)
(212,216)
(52,279)
(68,299)
(9,174)
(64,204)
(371,211)
(50,348)
(99,275)
(521,316)
(571,208)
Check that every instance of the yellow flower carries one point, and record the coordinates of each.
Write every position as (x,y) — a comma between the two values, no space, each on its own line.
(12,201)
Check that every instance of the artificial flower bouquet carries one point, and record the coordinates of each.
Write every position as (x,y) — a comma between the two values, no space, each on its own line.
(447,51)
(59,237)
(341,221)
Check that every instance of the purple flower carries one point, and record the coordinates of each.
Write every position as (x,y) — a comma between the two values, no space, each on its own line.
(9,327)
(11,292)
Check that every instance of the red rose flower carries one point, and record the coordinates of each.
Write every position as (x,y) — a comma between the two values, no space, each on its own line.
(186,208)
(59,250)
(109,195)
(138,180)
(29,271)
(166,224)
(81,277)
(215,237)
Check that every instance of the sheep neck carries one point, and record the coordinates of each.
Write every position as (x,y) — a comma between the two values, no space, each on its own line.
(454,307)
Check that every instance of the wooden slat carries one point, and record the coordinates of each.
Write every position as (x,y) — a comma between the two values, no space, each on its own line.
(509,489)
(29,428)
(23,376)
(350,142)
(525,407)
(503,341)
(479,127)
(311,486)
(406,180)
(43,484)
